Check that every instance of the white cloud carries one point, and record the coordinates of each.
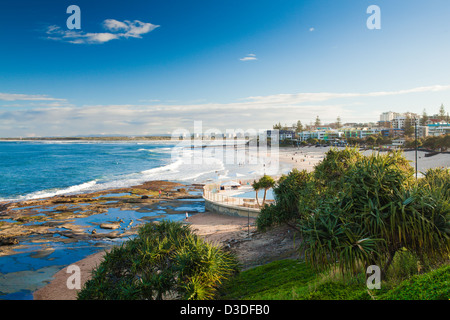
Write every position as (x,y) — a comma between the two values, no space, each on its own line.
(312,29)
(324,96)
(116,30)
(249,57)
(256,112)
(114,25)
(129,29)
(26,97)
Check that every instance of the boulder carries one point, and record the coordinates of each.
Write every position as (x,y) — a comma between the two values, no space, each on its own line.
(111,226)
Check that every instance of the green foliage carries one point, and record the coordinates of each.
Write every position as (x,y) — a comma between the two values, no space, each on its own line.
(292,194)
(434,285)
(437,179)
(165,259)
(437,142)
(256,186)
(360,210)
(275,280)
(295,280)
(335,165)
(378,211)
(332,290)
(404,265)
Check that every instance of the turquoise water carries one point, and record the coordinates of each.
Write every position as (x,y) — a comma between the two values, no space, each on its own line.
(252,195)
(38,169)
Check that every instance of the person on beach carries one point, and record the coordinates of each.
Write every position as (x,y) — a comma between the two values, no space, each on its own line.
(160,193)
(187,216)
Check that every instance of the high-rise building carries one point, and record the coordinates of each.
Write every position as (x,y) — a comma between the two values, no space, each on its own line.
(388,116)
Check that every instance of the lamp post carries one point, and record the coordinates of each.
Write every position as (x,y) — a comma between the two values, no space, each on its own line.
(415,135)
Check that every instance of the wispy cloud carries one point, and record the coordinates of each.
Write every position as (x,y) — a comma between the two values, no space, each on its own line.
(26,97)
(312,29)
(324,96)
(114,30)
(153,117)
(249,57)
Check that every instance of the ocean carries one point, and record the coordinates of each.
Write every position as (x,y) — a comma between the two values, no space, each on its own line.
(33,170)
(42,169)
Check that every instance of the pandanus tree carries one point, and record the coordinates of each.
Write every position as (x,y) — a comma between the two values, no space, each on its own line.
(294,194)
(165,260)
(379,210)
(354,211)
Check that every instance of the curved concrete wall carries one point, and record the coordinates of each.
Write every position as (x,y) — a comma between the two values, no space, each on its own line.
(230,210)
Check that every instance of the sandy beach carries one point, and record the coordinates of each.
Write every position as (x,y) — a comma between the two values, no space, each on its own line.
(305,158)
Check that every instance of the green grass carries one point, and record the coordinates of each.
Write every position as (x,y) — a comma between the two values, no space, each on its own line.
(433,285)
(274,281)
(295,280)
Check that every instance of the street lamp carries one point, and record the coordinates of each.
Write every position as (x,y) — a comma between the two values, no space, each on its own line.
(415,135)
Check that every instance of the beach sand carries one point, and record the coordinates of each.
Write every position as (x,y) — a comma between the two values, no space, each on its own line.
(305,158)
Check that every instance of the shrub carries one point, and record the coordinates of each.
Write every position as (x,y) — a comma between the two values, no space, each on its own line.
(434,285)
(294,194)
(164,260)
(378,211)
(404,265)
(335,166)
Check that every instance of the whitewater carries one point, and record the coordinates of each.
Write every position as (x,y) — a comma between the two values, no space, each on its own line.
(35,170)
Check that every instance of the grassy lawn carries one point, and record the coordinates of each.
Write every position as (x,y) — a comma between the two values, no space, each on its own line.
(295,280)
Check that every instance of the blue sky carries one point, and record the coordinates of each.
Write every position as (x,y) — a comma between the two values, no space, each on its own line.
(150,67)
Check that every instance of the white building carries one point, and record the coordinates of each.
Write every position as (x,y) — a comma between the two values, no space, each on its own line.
(327,135)
(438,129)
(388,116)
(423,131)
(398,142)
(400,122)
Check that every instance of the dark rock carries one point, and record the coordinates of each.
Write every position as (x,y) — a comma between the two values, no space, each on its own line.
(8,241)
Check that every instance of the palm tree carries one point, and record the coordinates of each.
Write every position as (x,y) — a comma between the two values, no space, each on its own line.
(266,182)
(256,186)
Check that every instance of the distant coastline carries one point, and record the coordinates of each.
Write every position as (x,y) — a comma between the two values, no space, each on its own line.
(93,138)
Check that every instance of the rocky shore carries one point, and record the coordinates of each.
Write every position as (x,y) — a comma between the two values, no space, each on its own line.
(88,216)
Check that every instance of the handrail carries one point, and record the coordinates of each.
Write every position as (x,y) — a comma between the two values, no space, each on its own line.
(212,193)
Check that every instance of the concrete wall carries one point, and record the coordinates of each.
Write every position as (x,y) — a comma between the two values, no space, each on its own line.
(230,210)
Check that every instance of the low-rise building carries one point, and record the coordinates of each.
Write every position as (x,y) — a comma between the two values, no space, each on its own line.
(438,129)
(398,142)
